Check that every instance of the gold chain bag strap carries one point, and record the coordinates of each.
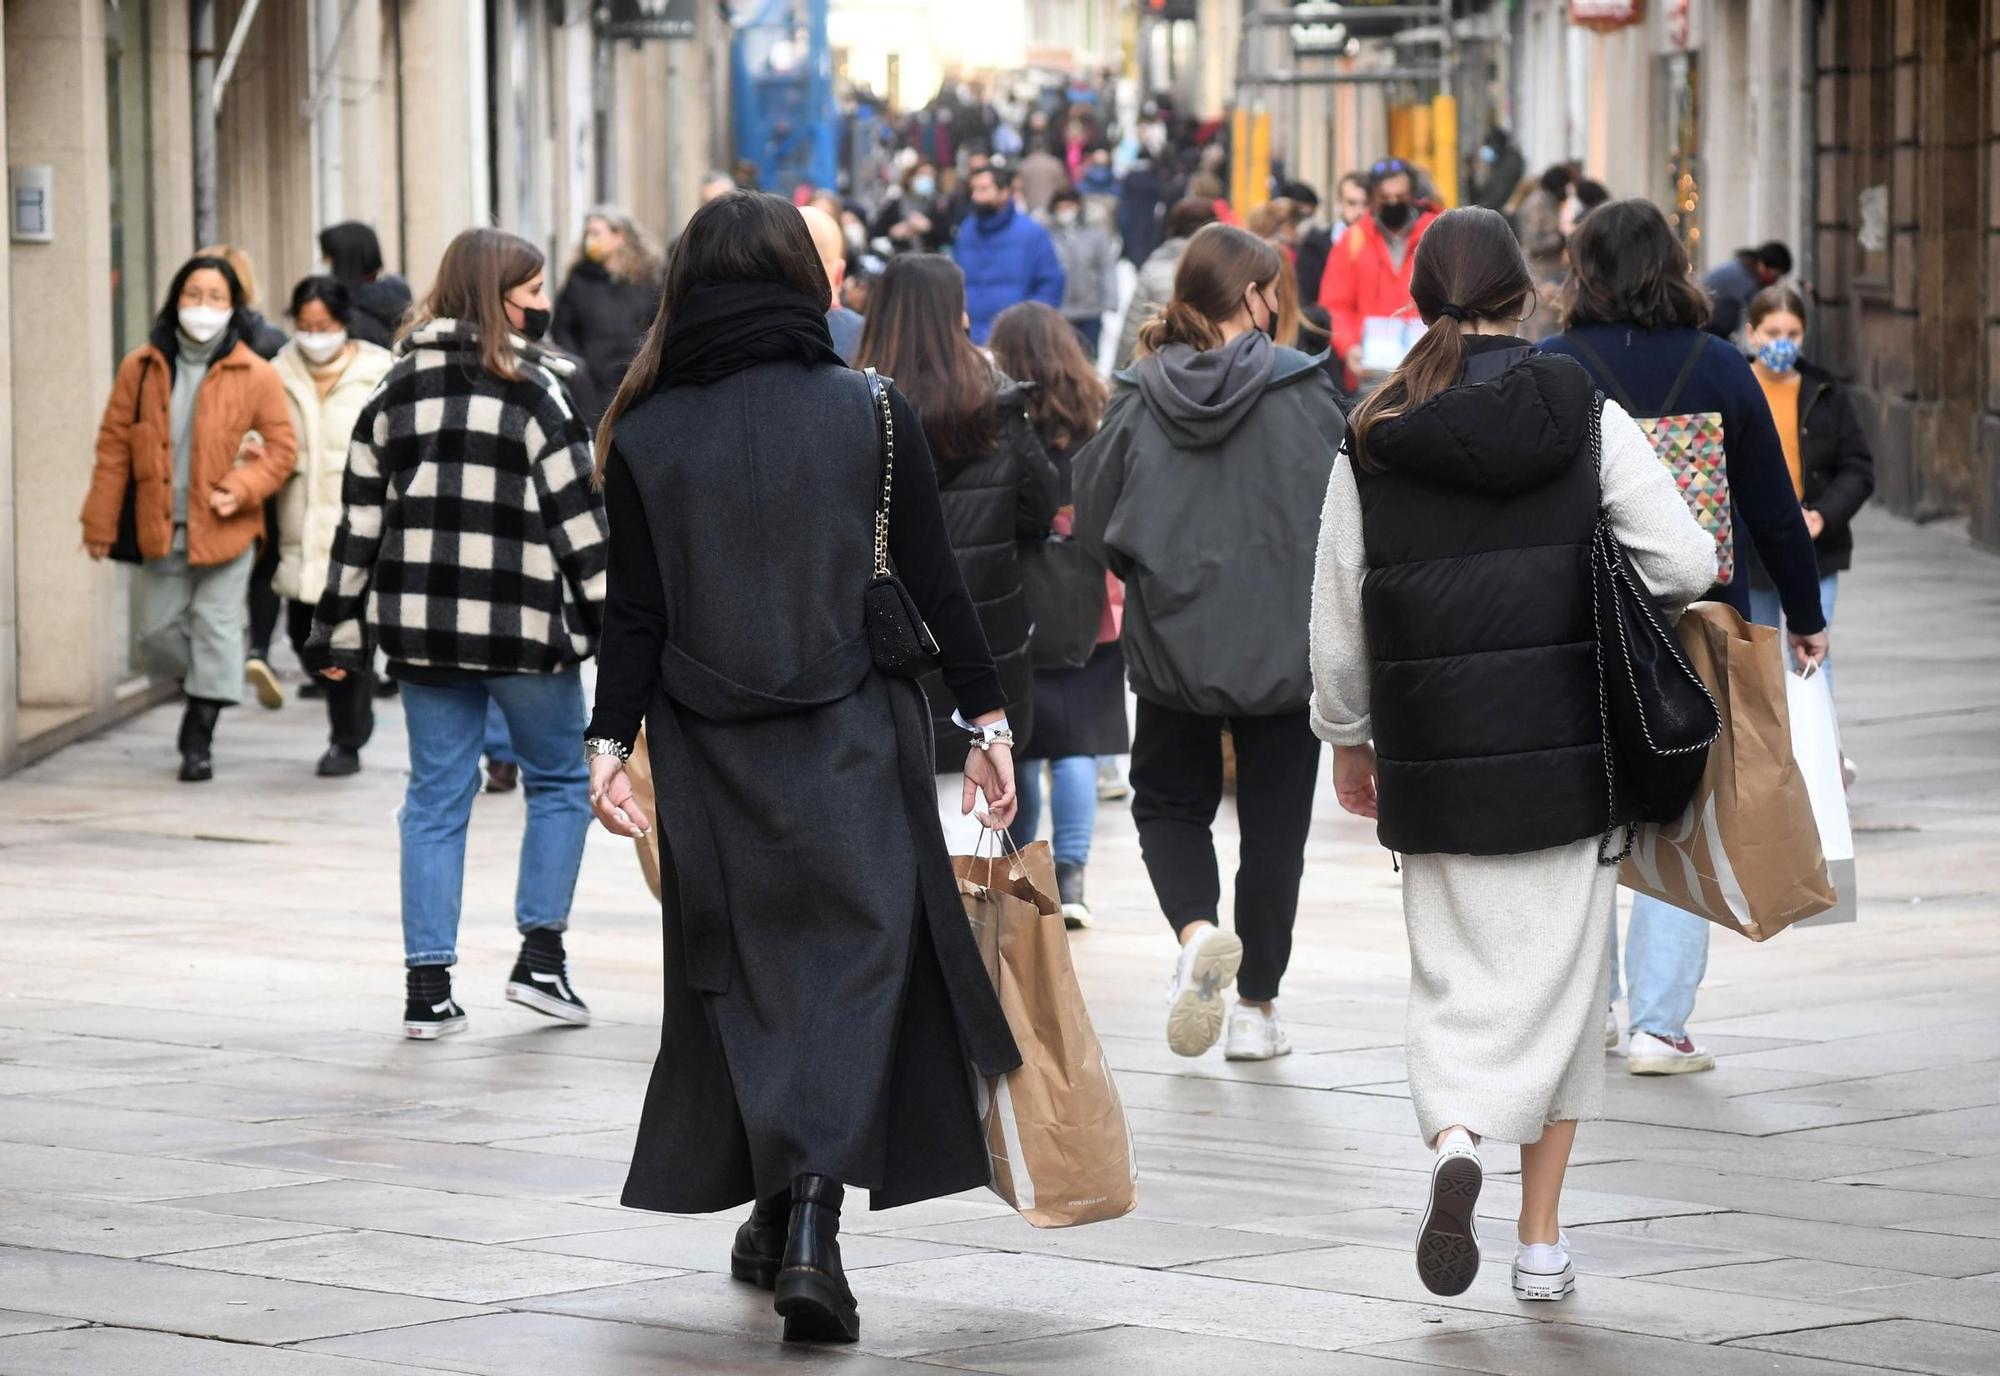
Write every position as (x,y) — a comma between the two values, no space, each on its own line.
(902,646)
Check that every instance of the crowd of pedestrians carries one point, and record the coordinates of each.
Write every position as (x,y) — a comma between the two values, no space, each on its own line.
(875,528)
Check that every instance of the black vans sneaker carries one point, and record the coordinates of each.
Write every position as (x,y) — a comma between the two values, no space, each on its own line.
(429,1011)
(541,979)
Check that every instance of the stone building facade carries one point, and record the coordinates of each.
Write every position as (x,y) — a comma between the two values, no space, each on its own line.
(1908,229)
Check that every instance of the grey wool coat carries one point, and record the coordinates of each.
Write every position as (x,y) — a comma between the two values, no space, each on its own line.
(825,1006)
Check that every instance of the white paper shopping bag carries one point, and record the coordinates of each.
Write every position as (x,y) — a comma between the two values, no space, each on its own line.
(1816,746)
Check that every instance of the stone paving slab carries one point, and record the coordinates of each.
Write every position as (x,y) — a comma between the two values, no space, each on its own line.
(702,1244)
(1902,1249)
(1630,1306)
(1553,1349)
(117,1228)
(401,1264)
(406,1209)
(13,1322)
(205,1304)
(1903,1344)
(93,1350)
(1159,1353)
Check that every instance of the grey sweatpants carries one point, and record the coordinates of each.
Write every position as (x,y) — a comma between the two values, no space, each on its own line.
(191,623)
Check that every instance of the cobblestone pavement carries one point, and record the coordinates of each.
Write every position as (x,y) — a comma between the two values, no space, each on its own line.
(217,1157)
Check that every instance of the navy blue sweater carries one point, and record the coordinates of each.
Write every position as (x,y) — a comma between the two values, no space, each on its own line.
(1766,509)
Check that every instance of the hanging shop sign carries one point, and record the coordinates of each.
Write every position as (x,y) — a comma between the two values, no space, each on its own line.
(642,19)
(1606,15)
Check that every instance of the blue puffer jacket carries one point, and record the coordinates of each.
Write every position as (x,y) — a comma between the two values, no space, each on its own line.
(1007,258)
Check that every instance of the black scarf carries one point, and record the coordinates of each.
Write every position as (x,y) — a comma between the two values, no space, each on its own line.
(723,328)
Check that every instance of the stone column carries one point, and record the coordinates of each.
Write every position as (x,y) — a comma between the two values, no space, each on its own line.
(59,321)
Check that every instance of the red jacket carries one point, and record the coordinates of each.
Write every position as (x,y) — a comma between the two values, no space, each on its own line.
(1360,281)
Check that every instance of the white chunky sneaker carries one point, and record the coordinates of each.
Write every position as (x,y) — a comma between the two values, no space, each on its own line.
(1651,1055)
(1448,1239)
(1543,1271)
(1196,1000)
(1254,1035)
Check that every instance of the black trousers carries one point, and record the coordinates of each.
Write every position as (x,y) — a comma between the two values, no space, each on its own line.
(264,598)
(350,703)
(1176,789)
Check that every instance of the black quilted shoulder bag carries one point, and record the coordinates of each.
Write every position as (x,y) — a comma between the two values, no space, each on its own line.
(898,639)
(1656,715)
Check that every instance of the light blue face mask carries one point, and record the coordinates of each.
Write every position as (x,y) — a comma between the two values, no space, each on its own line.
(1779,355)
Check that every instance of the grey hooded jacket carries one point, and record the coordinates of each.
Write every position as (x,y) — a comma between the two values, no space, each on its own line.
(1203,491)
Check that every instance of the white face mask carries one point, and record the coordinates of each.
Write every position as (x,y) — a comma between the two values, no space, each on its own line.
(1066,216)
(321,347)
(203,323)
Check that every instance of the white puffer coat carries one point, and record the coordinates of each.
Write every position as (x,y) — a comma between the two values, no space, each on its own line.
(309,504)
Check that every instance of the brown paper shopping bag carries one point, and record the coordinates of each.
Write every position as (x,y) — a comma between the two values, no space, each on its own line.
(1746,854)
(1055,1128)
(639,772)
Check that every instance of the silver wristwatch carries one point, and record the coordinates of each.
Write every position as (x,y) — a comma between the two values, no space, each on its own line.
(596,746)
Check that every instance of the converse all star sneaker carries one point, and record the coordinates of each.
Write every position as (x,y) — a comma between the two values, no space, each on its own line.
(1611,1029)
(1197,998)
(1651,1055)
(1448,1238)
(1255,1035)
(541,979)
(1542,1271)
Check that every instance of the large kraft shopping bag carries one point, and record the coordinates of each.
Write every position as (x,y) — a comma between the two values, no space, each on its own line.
(1055,1128)
(639,773)
(1746,853)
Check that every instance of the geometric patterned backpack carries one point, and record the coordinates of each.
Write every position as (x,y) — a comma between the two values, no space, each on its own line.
(1690,445)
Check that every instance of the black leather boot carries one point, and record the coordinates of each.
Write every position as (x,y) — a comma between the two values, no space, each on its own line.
(196,738)
(760,1243)
(812,1289)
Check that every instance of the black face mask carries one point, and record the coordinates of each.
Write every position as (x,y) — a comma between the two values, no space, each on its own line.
(1395,216)
(534,323)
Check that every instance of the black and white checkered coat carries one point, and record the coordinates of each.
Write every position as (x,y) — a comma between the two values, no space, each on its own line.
(470,534)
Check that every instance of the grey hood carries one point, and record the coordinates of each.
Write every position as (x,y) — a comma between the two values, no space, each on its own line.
(1199,398)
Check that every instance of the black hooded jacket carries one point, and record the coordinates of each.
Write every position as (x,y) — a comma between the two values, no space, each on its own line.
(1477,518)
(602,320)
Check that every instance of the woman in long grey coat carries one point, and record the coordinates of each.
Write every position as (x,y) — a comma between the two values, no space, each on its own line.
(825,1005)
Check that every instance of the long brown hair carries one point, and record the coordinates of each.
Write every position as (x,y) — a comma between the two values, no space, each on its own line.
(1469,268)
(1033,343)
(479,268)
(1628,267)
(916,335)
(1219,263)
(634,260)
(740,236)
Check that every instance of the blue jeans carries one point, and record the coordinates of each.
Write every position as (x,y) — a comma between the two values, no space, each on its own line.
(1073,807)
(447,728)
(1766,610)
(1666,954)
(497,748)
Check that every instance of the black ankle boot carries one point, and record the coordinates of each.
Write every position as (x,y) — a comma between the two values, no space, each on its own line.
(812,1289)
(760,1242)
(196,738)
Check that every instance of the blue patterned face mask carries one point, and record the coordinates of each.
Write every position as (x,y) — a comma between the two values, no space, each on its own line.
(1779,355)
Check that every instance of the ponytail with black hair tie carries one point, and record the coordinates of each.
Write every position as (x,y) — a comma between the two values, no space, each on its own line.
(1457,313)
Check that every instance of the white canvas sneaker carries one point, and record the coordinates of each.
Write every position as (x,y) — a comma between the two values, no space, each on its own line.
(1448,1238)
(1197,997)
(1254,1035)
(1611,1032)
(1651,1055)
(1543,1272)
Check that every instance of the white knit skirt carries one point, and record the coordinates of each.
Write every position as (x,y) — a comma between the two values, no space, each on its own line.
(1509,980)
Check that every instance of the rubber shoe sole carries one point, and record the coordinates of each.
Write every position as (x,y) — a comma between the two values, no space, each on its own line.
(1195,1019)
(761,1272)
(431,1031)
(530,997)
(1447,1241)
(1532,1288)
(813,1308)
(1669,1065)
(270,693)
